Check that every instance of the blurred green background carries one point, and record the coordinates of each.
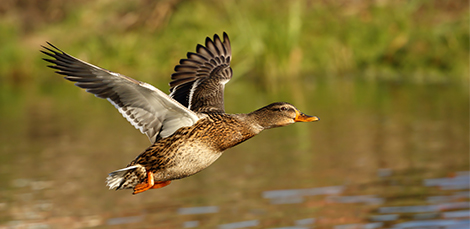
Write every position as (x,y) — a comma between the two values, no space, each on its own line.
(389,80)
(400,41)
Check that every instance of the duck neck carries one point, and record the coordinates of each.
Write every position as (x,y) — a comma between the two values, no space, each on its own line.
(258,121)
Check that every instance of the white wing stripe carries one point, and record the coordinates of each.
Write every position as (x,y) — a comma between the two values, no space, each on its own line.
(191,92)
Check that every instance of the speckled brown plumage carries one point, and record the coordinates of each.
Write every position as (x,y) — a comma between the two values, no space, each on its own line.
(189,129)
(189,149)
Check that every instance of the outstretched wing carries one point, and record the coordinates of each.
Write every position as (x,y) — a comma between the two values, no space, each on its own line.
(148,109)
(198,82)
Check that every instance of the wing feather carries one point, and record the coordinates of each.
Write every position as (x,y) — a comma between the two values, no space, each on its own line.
(148,109)
(198,81)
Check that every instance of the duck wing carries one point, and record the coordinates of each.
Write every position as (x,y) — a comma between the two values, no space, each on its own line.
(198,82)
(148,109)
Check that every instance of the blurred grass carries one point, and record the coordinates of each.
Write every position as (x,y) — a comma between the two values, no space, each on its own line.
(273,41)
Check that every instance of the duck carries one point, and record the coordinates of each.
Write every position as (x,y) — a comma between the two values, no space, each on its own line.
(188,128)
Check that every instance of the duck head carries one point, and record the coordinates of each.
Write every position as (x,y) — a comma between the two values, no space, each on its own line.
(280,114)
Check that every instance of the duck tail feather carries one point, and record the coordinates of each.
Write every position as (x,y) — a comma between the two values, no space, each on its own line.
(125,178)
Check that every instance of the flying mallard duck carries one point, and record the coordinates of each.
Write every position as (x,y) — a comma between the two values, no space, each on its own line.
(189,128)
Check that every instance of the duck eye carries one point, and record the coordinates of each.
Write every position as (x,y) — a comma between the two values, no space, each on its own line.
(283,109)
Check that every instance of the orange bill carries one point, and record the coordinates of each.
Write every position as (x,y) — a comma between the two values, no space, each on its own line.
(301,117)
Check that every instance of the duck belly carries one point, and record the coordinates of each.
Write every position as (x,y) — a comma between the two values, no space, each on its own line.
(189,160)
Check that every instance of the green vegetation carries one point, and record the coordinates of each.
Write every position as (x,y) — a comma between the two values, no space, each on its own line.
(402,41)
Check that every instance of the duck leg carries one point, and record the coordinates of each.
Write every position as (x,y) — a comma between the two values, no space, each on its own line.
(149,184)
(161,184)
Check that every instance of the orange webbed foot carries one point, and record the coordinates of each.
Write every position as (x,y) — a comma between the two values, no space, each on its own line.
(150,184)
(161,184)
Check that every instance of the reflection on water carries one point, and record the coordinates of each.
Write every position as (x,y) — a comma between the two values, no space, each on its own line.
(198,210)
(243,224)
(383,156)
(297,195)
(125,220)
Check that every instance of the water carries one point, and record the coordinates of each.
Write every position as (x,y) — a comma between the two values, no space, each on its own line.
(384,155)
